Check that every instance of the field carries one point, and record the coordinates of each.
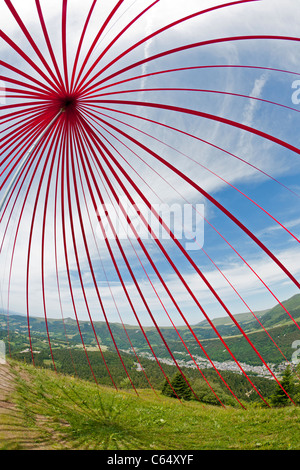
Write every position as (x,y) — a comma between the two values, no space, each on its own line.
(48,410)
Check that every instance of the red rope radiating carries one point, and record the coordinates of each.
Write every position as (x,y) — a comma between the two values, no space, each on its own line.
(77,138)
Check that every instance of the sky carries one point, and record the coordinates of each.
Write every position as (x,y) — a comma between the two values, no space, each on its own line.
(221,159)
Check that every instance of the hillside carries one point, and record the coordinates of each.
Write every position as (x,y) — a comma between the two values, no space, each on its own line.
(135,366)
(270,318)
(130,340)
(45,410)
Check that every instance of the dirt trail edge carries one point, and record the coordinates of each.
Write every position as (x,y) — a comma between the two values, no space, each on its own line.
(14,434)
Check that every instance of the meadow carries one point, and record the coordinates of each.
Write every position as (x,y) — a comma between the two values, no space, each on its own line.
(67,413)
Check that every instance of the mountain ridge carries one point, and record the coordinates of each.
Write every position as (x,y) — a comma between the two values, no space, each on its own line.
(274,324)
(277,312)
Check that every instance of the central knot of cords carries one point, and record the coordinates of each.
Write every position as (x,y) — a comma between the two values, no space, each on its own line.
(68,103)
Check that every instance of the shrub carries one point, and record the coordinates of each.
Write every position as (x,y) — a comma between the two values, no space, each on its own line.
(180,387)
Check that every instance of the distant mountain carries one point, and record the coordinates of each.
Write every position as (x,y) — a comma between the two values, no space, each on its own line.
(4,312)
(278,315)
(276,321)
(270,317)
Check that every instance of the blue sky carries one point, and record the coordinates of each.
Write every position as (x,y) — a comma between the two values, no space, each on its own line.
(265,17)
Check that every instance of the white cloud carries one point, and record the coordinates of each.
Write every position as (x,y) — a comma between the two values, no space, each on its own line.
(268,17)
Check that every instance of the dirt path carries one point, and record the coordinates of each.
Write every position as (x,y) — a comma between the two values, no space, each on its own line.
(14,435)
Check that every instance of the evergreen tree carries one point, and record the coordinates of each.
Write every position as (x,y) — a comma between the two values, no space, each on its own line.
(280,398)
(180,387)
(167,390)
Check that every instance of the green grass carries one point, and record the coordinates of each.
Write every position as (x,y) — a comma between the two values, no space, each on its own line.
(69,413)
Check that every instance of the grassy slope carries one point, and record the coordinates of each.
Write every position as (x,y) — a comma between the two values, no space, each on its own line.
(69,413)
